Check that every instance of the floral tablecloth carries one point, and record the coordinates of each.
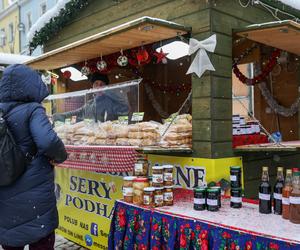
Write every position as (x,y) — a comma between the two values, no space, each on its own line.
(177,227)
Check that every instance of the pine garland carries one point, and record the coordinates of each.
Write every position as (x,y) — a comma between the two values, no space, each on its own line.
(57,23)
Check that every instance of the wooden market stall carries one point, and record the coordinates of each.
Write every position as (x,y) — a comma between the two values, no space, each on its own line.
(103,29)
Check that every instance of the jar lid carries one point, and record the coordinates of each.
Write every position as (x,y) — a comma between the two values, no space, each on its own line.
(157,168)
(200,189)
(168,186)
(235,167)
(212,190)
(129,178)
(141,179)
(149,189)
(295,170)
(215,187)
(168,166)
(297,173)
(159,188)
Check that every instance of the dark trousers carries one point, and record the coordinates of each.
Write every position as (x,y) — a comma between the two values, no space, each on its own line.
(46,243)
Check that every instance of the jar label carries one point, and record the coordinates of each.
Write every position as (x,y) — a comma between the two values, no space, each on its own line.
(168,196)
(127,191)
(138,167)
(285,201)
(158,199)
(157,178)
(211,202)
(146,199)
(295,200)
(199,201)
(236,199)
(233,177)
(168,177)
(277,196)
(265,197)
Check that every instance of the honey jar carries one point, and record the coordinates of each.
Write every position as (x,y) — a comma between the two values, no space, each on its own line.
(149,196)
(159,196)
(168,196)
(128,188)
(141,166)
(139,184)
(168,175)
(157,176)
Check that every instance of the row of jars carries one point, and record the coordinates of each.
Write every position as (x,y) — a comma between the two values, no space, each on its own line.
(137,190)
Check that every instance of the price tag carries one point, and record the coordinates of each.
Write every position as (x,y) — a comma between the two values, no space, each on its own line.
(137,117)
(123,120)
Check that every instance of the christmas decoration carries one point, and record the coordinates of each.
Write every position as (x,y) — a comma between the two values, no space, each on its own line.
(67,74)
(101,65)
(262,76)
(46,78)
(161,56)
(85,70)
(122,60)
(142,56)
(53,21)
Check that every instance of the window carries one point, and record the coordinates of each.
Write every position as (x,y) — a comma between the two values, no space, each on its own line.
(43,8)
(2,37)
(29,20)
(1,4)
(11,32)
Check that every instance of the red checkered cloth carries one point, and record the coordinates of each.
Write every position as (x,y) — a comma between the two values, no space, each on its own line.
(240,140)
(101,158)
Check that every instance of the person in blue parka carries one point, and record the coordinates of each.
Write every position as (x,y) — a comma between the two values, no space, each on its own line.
(28,213)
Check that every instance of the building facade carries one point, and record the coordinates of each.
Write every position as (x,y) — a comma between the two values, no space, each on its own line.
(9,23)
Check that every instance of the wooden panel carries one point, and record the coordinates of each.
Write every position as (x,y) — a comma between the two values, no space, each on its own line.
(201,108)
(201,86)
(221,149)
(221,87)
(221,131)
(285,36)
(222,109)
(202,130)
(202,149)
(105,18)
(136,33)
(222,65)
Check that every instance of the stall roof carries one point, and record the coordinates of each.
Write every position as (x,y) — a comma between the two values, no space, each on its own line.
(283,35)
(142,31)
(7,59)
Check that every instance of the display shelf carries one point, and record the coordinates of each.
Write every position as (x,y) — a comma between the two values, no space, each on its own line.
(269,147)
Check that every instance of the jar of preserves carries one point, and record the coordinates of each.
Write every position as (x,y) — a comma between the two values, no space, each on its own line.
(128,188)
(235,176)
(159,196)
(199,199)
(236,198)
(219,194)
(168,196)
(157,176)
(212,200)
(168,175)
(149,196)
(141,166)
(138,190)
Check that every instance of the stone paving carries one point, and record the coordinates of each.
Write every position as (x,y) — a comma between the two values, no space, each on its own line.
(62,244)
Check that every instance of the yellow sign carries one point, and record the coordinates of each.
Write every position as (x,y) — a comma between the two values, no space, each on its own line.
(85,203)
(193,172)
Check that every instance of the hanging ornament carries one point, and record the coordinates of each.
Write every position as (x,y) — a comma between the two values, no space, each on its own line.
(101,65)
(85,70)
(67,74)
(161,57)
(46,78)
(142,55)
(122,60)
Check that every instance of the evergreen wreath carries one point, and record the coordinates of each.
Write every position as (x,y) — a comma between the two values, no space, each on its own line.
(57,23)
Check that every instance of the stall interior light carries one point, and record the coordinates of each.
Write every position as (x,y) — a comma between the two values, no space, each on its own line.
(76,75)
(175,50)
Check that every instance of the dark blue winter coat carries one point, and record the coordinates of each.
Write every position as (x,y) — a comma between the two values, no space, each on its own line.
(28,206)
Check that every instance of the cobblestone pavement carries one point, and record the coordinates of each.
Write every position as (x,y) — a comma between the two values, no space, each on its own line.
(62,244)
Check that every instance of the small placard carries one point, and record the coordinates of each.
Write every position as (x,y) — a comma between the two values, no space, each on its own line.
(137,117)
(123,120)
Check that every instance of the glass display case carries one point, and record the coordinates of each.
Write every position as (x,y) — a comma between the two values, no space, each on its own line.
(111,116)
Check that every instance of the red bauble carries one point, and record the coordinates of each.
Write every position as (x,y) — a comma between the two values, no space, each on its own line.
(67,74)
(142,55)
